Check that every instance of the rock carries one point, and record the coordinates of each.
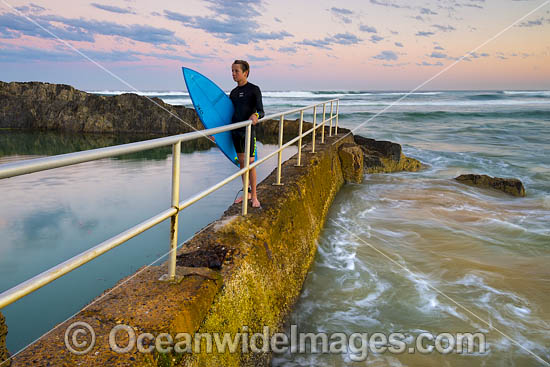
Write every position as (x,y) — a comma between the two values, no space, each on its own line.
(351,157)
(207,257)
(511,186)
(4,354)
(385,156)
(44,106)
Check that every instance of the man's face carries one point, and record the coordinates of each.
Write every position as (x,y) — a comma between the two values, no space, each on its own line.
(237,73)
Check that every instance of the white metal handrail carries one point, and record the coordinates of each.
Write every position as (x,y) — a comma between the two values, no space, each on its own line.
(41,164)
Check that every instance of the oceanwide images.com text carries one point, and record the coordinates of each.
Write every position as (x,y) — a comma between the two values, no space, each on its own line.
(80,339)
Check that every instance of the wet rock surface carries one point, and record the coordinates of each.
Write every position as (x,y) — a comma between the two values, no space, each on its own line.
(511,186)
(351,156)
(208,257)
(385,156)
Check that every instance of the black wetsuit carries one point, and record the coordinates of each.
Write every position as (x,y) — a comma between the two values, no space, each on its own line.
(246,99)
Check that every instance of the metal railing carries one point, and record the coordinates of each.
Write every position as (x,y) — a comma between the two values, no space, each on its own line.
(41,164)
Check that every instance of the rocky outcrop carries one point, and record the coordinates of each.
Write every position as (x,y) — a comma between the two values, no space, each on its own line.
(4,354)
(351,158)
(44,106)
(511,186)
(385,156)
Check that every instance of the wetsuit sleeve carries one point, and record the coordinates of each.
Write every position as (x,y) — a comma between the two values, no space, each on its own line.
(259,103)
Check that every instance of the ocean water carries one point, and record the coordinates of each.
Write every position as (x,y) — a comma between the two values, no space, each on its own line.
(403,252)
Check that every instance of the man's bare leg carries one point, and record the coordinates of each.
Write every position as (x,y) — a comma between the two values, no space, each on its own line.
(255,202)
(253,181)
(241,165)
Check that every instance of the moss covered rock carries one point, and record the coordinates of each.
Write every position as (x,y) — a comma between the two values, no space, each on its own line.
(45,106)
(510,186)
(351,156)
(385,156)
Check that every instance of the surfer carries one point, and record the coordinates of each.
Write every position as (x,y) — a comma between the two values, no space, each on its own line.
(247,100)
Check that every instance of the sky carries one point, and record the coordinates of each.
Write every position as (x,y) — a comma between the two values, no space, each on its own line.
(291,45)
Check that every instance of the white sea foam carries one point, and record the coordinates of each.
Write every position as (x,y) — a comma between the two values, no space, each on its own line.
(528,93)
(500,224)
(177,101)
(443,103)
(141,93)
(374,298)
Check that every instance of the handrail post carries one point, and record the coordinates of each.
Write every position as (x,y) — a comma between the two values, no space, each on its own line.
(176,158)
(280,155)
(300,140)
(323,124)
(337,109)
(246,165)
(331,115)
(314,123)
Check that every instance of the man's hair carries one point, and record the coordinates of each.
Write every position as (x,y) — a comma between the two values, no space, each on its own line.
(244,66)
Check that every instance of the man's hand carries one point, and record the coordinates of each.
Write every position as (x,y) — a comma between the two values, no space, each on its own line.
(211,138)
(254,118)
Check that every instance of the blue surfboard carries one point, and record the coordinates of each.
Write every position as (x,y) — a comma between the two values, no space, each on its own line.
(214,109)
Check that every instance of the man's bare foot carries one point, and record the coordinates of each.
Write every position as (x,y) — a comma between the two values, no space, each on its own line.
(239,200)
(255,203)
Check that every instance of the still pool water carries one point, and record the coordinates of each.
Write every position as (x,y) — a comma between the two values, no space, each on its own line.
(47,217)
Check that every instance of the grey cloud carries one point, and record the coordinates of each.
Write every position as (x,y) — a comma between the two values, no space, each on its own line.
(236,29)
(258,58)
(320,43)
(476,55)
(368,29)
(444,28)
(112,9)
(535,23)
(424,34)
(427,11)
(438,48)
(396,65)
(290,50)
(386,55)
(345,39)
(399,44)
(342,14)
(31,54)
(342,11)
(277,20)
(31,8)
(339,38)
(473,6)
(84,30)
(425,63)
(13,26)
(12,54)
(243,9)
(438,55)
(375,39)
(389,4)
